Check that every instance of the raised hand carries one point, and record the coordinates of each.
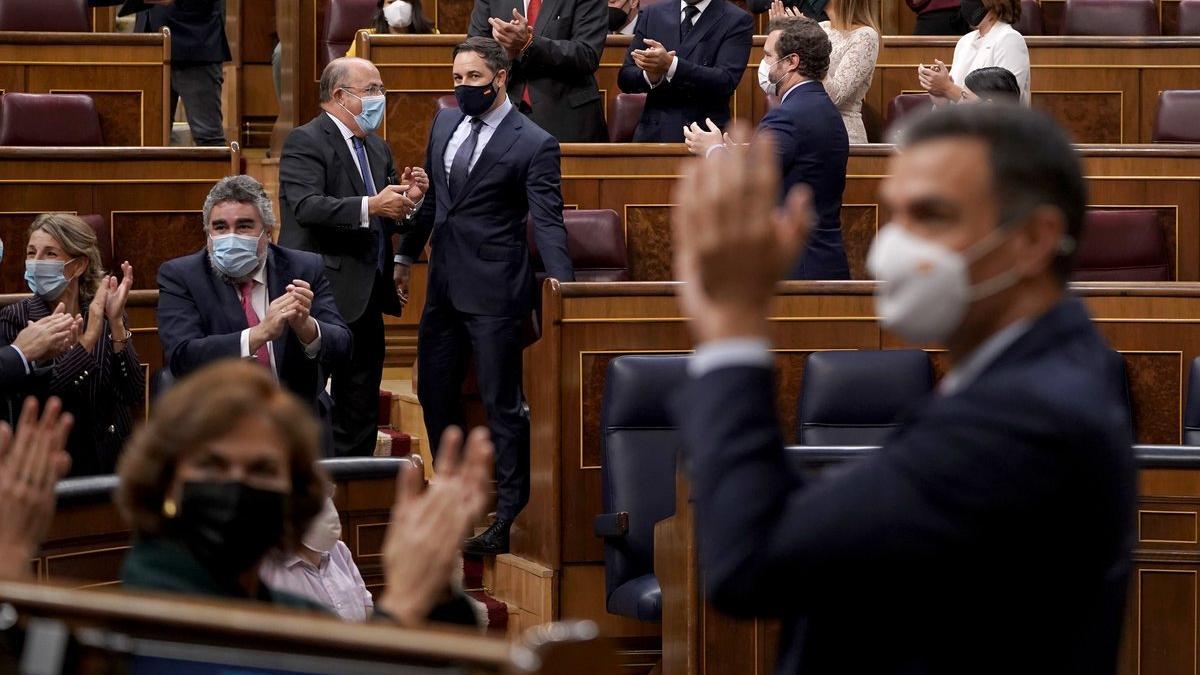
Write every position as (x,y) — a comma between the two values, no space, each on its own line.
(421,547)
(654,59)
(280,313)
(699,141)
(418,179)
(936,80)
(391,202)
(118,294)
(727,214)
(512,35)
(31,462)
(48,337)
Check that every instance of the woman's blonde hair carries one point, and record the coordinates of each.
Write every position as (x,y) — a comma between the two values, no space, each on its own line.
(77,240)
(853,13)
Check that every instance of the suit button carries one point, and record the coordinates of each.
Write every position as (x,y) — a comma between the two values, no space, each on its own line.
(112,428)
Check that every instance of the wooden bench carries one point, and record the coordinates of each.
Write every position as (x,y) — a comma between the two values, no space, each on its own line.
(128,76)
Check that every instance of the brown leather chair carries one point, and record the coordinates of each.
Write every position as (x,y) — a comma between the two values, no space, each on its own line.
(66,16)
(49,120)
(343,20)
(447,102)
(104,241)
(1122,245)
(1030,22)
(626,113)
(595,244)
(1110,17)
(1177,116)
(1189,17)
(903,105)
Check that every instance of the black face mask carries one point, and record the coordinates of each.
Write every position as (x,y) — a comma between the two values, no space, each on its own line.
(228,525)
(972,11)
(617,18)
(476,99)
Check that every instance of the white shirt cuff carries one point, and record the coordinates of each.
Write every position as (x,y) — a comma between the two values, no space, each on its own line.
(670,74)
(417,206)
(671,70)
(246,343)
(738,352)
(364,215)
(24,361)
(312,349)
(404,260)
(713,148)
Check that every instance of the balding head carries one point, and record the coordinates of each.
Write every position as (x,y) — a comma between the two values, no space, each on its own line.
(347,72)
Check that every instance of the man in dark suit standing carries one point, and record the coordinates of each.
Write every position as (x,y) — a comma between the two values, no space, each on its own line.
(992,532)
(243,297)
(689,57)
(810,138)
(340,196)
(554,47)
(198,50)
(491,169)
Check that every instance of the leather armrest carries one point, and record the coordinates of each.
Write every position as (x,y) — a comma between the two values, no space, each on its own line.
(612,525)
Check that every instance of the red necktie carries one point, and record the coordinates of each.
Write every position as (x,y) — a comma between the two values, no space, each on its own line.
(247,289)
(531,12)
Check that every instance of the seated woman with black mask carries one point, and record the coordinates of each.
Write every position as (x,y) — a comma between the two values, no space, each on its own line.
(225,471)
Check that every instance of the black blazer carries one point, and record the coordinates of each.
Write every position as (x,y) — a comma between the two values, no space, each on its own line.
(200,318)
(320,200)
(992,534)
(12,376)
(98,388)
(559,67)
(480,255)
(711,62)
(813,148)
(197,28)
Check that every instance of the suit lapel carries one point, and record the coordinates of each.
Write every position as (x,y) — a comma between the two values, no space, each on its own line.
(279,275)
(549,9)
(342,152)
(441,140)
(708,20)
(498,145)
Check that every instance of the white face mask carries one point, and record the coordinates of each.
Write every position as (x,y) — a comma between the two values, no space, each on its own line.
(764,77)
(398,14)
(925,287)
(325,530)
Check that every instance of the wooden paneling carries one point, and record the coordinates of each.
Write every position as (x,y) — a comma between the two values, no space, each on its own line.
(128,75)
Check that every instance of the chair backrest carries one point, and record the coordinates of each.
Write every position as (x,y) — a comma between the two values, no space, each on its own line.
(624,118)
(859,397)
(1031,22)
(447,102)
(1124,245)
(63,16)
(1110,17)
(903,105)
(343,20)
(49,120)
(638,448)
(1189,17)
(1191,412)
(103,240)
(595,245)
(1178,111)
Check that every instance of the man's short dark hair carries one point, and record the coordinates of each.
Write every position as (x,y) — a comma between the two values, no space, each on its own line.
(1031,158)
(488,49)
(805,38)
(995,83)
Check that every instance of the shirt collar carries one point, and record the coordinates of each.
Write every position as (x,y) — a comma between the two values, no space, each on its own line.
(796,86)
(494,117)
(260,277)
(346,133)
(702,5)
(978,360)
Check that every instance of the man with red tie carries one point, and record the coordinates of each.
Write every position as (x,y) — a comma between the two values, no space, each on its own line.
(242,296)
(555,48)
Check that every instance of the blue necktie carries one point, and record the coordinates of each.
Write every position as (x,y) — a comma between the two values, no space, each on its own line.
(460,168)
(365,170)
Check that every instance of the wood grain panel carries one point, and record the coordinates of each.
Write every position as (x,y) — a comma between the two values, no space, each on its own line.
(1166,647)
(408,120)
(1156,390)
(859,226)
(1087,117)
(648,236)
(96,566)
(174,234)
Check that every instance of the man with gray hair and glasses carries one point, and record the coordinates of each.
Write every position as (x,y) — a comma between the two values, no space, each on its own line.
(240,296)
(341,197)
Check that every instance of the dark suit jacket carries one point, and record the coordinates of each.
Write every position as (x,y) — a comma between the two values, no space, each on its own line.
(480,255)
(711,62)
(813,148)
(200,318)
(197,28)
(559,67)
(992,534)
(99,388)
(12,376)
(320,197)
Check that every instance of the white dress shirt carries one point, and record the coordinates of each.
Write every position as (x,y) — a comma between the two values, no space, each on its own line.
(702,5)
(1003,46)
(335,581)
(629,27)
(259,301)
(364,216)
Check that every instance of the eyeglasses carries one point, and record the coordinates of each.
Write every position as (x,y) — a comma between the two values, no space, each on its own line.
(369,91)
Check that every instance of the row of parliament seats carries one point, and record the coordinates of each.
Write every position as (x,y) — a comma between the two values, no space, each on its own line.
(1107,18)
(59,120)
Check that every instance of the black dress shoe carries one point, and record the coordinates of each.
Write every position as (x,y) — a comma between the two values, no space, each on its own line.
(492,541)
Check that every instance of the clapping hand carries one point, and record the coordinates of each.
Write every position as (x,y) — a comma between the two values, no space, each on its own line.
(700,140)
(31,462)
(936,80)
(423,540)
(778,11)
(49,336)
(727,214)
(512,35)
(418,182)
(655,60)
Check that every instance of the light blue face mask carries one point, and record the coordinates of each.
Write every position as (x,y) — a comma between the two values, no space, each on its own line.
(372,111)
(235,255)
(46,278)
